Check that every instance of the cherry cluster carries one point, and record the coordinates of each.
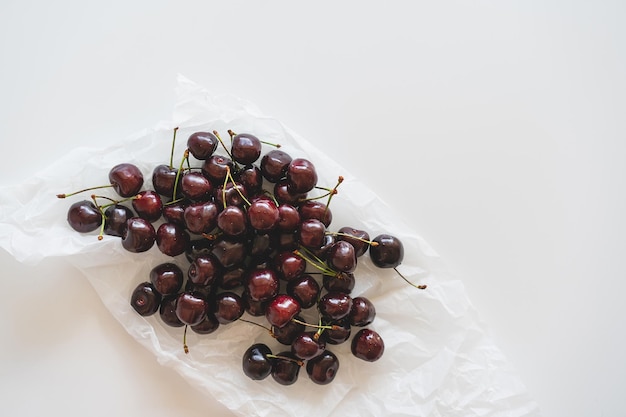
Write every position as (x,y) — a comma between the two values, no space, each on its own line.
(254,236)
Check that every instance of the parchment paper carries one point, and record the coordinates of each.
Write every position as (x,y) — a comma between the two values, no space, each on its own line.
(439,359)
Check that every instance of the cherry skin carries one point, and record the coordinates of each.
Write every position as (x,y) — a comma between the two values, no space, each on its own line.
(163,179)
(245,148)
(216,168)
(362,312)
(286,368)
(356,237)
(175,212)
(251,178)
(263,214)
(202,144)
(341,282)
(233,193)
(145,299)
(335,305)
(148,204)
(84,216)
(139,235)
(368,345)
(191,308)
(388,253)
(301,176)
(232,221)
(172,239)
(207,326)
(201,217)
(195,186)
(323,368)
(341,257)
(313,209)
(262,284)
(281,310)
(167,311)
(274,165)
(167,278)
(308,345)
(288,333)
(339,333)
(115,218)
(288,218)
(204,270)
(289,265)
(255,362)
(126,179)
(229,252)
(311,233)
(283,195)
(305,289)
(228,307)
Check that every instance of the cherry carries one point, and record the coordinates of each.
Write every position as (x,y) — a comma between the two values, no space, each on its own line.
(148,205)
(311,233)
(307,345)
(281,310)
(335,305)
(167,311)
(235,194)
(198,247)
(256,363)
(115,218)
(191,309)
(126,179)
(260,248)
(83,216)
(287,333)
(301,176)
(139,235)
(229,252)
(262,284)
(305,289)
(313,209)
(289,265)
(195,186)
(341,256)
(201,217)
(283,195)
(172,239)
(323,368)
(232,221)
(204,270)
(167,278)
(253,307)
(339,282)
(339,333)
(274,165)
(263,214)
(163,179)
(388,253)
(362,312)
(228,307)
(216,168)
(245,148)
(368,345)
(286,368)
(202,144)
(288,218)
(174,212)
(145,299)
(233,278)
(251,178)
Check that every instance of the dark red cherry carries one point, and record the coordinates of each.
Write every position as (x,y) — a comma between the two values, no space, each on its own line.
(167,311)
(263,214)
(262,284)
(148,205)
(232,221)
(323,368)
(362,313)
(216,168)
(167,278)
(368,345)
(229,252)
(281,310)
(235,194)
(202,145)
(191,308)
(145,299)
(253,307)
(287,334)
(83,216)
(255,362)
(201,217)
(207,326)
(308,345)
(335,305)
(341,257)
(286,368)
(245,148)
(388,252)
(172,239)
(340,332)
(175,212)
(311,233)
(204,270)
(313,209)
(228,307)
(198,247)
(163,180)
(305,289)
(289,265)
(288,218)
(274,164)
(341,282)
(301,176)
(284,196)
(139,235)
(195,186)
(233,277)
(126,179)
(251,178)
(115,218)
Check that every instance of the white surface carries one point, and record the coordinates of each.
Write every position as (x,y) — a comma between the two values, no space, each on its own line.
(501,124)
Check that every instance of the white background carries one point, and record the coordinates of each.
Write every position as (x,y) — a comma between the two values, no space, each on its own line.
(496,129)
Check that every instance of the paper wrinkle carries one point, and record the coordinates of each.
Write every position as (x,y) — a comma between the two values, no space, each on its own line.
(439,359)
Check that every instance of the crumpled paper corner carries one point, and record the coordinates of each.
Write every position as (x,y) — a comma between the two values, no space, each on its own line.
(439,357)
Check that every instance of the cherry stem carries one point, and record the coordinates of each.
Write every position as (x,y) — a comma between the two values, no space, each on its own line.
(216,133)
(287,358)
(333,192)
(84,190)
(102,223)
(312,259)
(172,151)
(260,325)
(185,347)
(229,176)
(419,287)
(180,168)
(317,326)
(369,242)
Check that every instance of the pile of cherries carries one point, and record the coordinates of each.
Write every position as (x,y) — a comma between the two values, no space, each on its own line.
(248,234)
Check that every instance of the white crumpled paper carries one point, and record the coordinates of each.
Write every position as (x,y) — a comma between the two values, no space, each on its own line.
(439,359)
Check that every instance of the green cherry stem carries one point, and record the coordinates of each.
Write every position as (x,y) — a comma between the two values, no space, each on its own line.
(172,151)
